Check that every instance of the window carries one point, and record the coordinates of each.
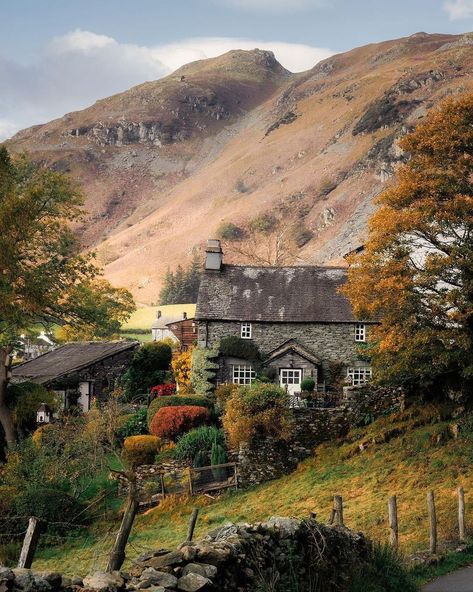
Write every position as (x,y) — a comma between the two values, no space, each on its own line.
(360,332)
(243,374)
(360,375)
(245,331)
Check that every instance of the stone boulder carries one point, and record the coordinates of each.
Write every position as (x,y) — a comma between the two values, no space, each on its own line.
(104,582)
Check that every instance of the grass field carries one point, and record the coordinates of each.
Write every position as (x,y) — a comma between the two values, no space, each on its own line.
(143,317)
(418,458)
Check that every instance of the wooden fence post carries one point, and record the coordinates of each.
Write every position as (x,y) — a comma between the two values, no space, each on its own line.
(192,522)
(29,543)
(393,525)
(236,475)
(163,489)
(433,522)
(338,507)
(461,514)
(189,476)
(117,556)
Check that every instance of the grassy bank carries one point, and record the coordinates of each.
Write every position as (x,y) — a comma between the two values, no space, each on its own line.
(406,454)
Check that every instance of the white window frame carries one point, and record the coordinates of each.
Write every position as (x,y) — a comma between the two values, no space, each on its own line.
(243,374)
(360,332)
(246,330)
(359,375)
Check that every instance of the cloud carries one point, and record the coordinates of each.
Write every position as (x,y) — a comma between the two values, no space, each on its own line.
(276,5)
(76,69)
(459,9)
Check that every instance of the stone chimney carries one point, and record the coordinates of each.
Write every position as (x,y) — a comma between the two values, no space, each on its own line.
(214,255)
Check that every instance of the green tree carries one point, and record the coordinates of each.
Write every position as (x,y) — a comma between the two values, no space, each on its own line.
(182,285)
(44,278)
(416,272)
(148,367)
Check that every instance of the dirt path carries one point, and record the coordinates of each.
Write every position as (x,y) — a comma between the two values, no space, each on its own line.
(458,581)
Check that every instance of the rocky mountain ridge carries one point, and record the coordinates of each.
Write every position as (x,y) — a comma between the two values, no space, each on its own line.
(225,140)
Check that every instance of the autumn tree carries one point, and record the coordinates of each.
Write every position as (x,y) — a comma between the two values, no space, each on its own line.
(44,278)
(416,272)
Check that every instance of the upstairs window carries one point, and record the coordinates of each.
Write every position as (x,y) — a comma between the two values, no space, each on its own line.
(245,331)
(359,375)
(360,332)
(243,374)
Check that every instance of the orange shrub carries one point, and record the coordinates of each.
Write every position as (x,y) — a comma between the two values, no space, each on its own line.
(141,450)
(170,422)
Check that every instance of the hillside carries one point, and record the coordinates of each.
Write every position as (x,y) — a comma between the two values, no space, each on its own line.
(407,453)
(225,139)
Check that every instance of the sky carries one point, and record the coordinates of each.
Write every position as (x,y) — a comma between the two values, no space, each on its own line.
(58,56)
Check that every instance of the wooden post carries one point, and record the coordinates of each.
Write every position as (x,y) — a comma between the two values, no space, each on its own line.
(163,489)
(433,522)
(338,507)
(393,526)
(189,475)
(29,543)
(236,475)
(193,520)
(461,514)
(117,556)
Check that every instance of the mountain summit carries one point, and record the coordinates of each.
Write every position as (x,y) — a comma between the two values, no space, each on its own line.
(227,139)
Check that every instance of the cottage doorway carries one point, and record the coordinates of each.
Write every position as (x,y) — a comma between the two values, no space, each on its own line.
(290,380)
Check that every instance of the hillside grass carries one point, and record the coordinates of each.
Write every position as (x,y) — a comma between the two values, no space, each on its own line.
(143,317)
(406,454)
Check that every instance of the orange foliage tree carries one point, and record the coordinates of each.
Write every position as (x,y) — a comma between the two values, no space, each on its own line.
(416,272)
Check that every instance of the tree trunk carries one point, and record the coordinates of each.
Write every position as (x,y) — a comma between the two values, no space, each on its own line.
(117,556)
(5,414)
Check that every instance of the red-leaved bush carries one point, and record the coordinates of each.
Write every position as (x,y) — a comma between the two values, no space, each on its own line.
(163,390)
(170,422)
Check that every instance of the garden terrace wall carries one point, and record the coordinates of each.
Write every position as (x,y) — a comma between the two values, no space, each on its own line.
(266,459)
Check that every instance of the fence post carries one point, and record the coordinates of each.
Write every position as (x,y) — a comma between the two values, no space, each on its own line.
(393,525)
(117,556)
(193,520)
(163,489)
(461,514)
(236,475)
(338,507)
(189,476)
(29,543)
(433,522)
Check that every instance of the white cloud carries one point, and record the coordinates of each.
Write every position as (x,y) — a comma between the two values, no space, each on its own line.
(276,5)
(76,69)
(459,9)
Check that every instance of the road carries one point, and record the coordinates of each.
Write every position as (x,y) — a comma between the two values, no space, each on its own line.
(458,581)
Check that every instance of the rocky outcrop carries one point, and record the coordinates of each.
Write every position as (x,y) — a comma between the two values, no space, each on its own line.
(234,558)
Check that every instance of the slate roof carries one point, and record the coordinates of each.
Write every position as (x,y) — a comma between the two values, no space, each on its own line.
(68,359)
(274,294)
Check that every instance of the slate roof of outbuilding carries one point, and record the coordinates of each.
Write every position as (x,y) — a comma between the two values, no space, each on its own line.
(274,294)
(68,359)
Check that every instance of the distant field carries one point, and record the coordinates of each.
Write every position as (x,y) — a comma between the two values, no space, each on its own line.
(143,317)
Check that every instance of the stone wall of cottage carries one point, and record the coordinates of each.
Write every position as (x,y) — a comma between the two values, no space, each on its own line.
(268,459)
(330,342)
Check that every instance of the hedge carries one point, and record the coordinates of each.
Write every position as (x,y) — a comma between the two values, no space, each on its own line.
(141,450)
(178,401)
(171,422)
(198,440)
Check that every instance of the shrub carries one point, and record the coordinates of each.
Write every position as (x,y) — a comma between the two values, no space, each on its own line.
(200,459)
(178,401)
(181,368)
(256,411)
(230,232)
(218,456)
(148,368)
(264,223)
(24,400)
(170,422)
(134,425)
(198,440)
(223,392)
(141,450)
(308,385)
(236,347)
(163,390)
(51,505)
(204,369)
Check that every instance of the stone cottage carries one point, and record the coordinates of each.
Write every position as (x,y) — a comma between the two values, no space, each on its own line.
(79,371)
(296,316)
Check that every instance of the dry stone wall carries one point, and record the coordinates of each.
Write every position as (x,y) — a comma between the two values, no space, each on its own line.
(267,458)
(235,558)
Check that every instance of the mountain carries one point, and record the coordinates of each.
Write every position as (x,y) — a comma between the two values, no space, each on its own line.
(227,139)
